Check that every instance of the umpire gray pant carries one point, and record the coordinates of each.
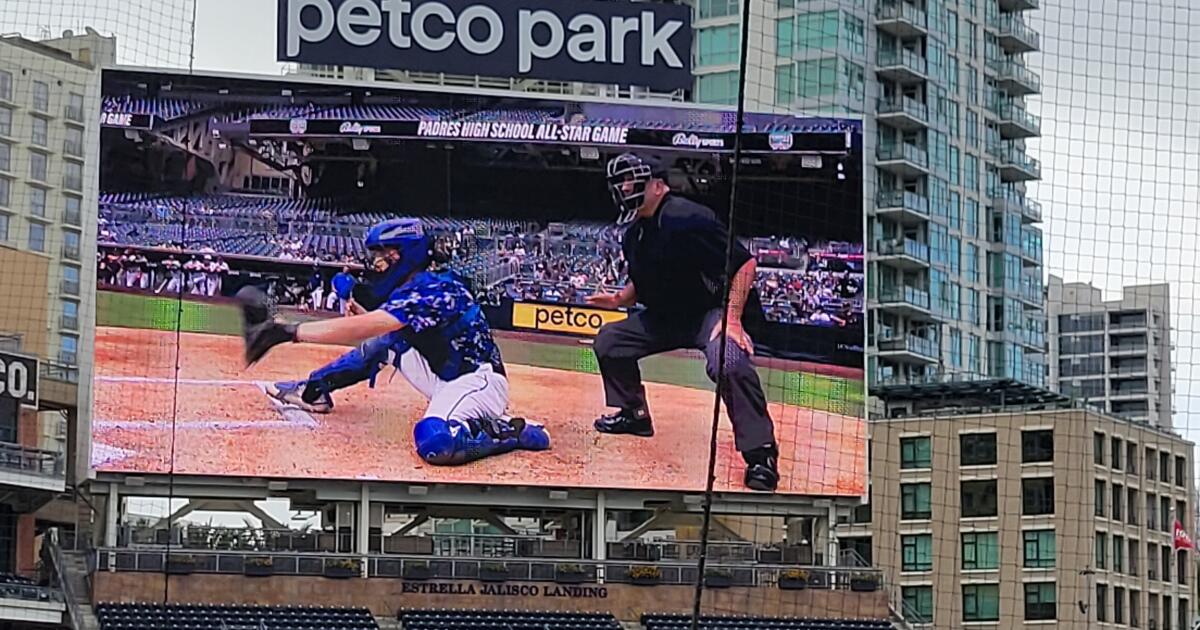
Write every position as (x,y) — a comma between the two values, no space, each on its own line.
(620,345)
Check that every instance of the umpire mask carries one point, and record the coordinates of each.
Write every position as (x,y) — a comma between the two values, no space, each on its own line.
(628,177)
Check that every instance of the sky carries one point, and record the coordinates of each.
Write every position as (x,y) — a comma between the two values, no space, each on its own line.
(1120,143)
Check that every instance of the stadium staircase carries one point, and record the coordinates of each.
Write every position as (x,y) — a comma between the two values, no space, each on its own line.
(72,570)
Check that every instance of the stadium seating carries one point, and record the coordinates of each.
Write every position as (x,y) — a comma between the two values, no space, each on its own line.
(151,616)
(683,622)
(505,620)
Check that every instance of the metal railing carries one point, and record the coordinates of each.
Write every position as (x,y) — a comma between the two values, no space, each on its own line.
(902,151)
(60,371)
(903,105)
(901,11)
(31,460)
(902,58)
(1019,73)
(1012,26)
(905,294)
(903,199)
(511,569)
(74,612)
(903,247)
(909,343)
(1014,113)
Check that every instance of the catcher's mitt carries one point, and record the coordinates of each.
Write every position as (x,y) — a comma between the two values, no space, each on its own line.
(260,330)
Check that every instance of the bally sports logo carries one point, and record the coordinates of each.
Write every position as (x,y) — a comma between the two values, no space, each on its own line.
(563,319)
(358,129)
(696,142)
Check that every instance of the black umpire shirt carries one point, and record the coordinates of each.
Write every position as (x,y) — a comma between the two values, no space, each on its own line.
(677,260)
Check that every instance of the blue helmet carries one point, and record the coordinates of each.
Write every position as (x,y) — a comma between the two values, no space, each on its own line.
(409,238)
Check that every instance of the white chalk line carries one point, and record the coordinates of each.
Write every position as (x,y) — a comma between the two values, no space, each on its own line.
(293,417)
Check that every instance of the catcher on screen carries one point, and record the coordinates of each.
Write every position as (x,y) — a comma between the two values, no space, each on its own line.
(430,328)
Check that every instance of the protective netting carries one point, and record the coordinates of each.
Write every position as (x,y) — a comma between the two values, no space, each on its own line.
(968,220)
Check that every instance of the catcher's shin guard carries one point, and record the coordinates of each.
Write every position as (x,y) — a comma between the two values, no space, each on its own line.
(360,364)
(454,442)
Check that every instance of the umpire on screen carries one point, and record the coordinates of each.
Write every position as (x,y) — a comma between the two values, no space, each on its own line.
(675,249)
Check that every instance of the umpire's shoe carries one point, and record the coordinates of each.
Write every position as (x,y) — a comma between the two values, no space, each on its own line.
(762,468)
(292,393)
(626,423)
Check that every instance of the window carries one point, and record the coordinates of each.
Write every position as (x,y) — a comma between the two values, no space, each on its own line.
(37,166)
(1181,564)
(74,107)
(1039,548)
(1101,542)
(37,237)
(1118,554)
(977,449)
(6,86)
(69,350)
(914,501)
(1135,549)
(718,46)
(37,201)
(70,245)
(1118,449)
(1101,498)
(916,552)
(854,33)
(915,452)
(1180,471)
(1037,496)
(1131,458)
(1165,513)
(1118,505)
(5,121)
(1164,467)
(71,211)
(919,599)
(1151,511)
(956,357)
(980,550)
(1165,559)
(73,176)
(70,280)
(1118,605)
(1151,459)
(1037,446)
(971,172)
(3,228)
(5,157)
(1098,449)
(720,88)
(40,132)
(1040,602)
(954,165)
(70,315)
(1184,614)
(981,602)
(816,77)
(1135,607)
(717,8)
(979,498)
(41,96)
(73,142)
(1131,507)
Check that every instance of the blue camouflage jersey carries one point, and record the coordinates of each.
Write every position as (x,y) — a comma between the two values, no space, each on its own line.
(444,324)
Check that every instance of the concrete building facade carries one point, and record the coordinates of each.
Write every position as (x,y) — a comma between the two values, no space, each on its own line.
(1114,354)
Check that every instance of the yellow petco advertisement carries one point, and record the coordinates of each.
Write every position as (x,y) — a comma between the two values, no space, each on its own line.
(563,319)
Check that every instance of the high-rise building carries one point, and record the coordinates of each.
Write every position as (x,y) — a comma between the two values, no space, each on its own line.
(1115,354)
(955,279)
(1043,514)
(49,143)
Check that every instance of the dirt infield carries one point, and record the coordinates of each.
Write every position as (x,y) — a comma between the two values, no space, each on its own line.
(214,418)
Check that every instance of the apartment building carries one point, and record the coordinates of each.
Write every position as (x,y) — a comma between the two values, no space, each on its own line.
(1114,354)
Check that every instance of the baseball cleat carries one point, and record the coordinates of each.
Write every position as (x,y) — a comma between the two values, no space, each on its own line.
(762,468)
(623,423)
(291,393)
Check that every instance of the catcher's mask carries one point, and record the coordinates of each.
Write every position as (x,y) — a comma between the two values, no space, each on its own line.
(396,248)
(628,176)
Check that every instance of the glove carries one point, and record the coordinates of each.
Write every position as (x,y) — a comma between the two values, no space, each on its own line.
(260,331)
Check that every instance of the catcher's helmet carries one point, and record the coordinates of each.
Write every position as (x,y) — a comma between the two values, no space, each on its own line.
(628,176)
(406,236)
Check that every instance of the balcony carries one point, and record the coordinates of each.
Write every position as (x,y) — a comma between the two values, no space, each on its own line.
(903,253)
(901,66)
(901,19)
(1014,165)
(1015,79)
(908,348)
(1032,295)
(1014,122)
(1130,393)
(1009,200)
(905,300)
(1015,36)
(31,468)
(902,206)
(903,159)
(1018,5)
(1127,349)
(903,113)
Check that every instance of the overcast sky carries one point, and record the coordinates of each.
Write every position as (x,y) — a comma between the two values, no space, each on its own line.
(1119,146)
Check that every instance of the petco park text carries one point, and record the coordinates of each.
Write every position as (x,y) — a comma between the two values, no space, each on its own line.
(565,319)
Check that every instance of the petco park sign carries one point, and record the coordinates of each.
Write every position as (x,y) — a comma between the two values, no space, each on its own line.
(593,41)
(19,378)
